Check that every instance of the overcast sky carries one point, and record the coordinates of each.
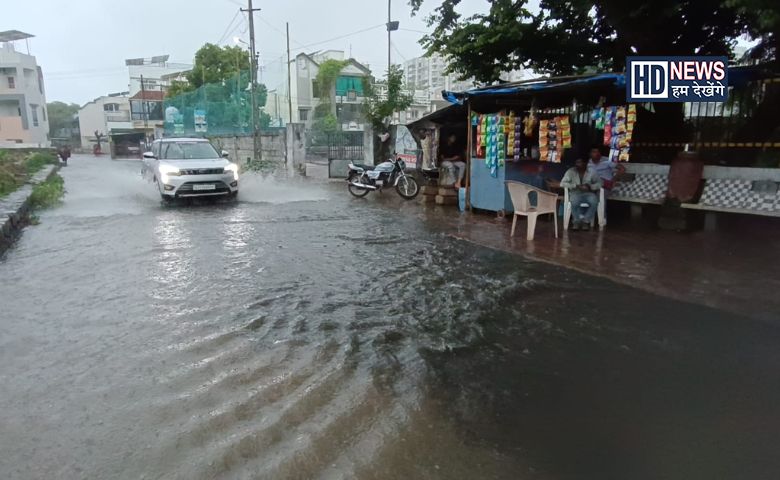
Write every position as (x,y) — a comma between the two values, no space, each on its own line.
(82,44)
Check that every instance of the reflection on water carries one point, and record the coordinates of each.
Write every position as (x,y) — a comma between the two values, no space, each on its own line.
(342,339)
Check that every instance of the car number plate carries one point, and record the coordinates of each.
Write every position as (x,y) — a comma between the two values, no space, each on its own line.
(204,186)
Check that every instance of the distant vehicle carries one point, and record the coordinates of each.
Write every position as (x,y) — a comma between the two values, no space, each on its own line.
(189,167)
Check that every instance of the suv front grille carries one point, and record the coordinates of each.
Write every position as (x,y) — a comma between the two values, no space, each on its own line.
(202,171)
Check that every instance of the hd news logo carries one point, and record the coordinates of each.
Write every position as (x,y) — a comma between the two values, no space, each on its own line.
(676,79)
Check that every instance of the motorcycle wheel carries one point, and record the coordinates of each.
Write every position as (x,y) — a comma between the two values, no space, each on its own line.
(356,191)
(407,187)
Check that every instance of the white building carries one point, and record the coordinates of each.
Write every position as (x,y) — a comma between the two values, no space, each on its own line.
(23,116)
(348,95)
(429,73)
(149,80)
(108,115)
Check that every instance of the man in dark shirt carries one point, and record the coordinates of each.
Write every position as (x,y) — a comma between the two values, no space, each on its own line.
(453,157)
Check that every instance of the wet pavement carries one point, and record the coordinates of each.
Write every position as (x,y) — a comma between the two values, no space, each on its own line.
(301,333)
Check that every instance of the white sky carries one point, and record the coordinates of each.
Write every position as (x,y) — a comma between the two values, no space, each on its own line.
(82,44)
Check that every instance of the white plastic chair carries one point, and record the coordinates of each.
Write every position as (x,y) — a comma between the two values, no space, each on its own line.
(546,203)
(600,210)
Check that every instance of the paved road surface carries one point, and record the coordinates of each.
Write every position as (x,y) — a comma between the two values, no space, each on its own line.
(304,334)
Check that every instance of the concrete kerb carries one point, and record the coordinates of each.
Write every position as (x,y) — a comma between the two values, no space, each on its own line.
(15,207)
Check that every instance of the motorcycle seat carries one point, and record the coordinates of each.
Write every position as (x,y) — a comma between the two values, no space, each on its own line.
(364,166)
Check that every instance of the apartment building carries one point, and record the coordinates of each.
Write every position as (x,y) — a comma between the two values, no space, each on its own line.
(23,116)
(108,115)
(348,95)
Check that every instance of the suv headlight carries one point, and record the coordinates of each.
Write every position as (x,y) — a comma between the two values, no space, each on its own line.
(232,168)
(167,171)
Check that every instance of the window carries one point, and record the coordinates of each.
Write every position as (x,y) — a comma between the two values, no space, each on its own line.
(303,114)
(43,111)
(188,151)
(11,82)
(34,110)
(111,107)
(315,89)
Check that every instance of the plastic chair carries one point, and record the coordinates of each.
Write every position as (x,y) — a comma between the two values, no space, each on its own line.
(600,212)
(546,203)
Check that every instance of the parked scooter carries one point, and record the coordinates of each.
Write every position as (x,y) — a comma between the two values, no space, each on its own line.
(365,178)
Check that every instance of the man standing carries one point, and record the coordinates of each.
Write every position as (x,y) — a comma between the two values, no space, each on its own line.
(605,169)
(452,155)
(583,183)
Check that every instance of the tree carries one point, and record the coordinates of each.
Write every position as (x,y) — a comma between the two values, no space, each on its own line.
(219,84)
(567,37)
(379,109)
(324,119)
(61,115)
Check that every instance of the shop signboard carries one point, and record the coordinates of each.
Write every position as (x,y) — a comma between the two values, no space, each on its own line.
(406,146)
(676,79)
(200,121)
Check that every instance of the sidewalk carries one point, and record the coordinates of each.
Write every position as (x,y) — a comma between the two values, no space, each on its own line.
(733,269)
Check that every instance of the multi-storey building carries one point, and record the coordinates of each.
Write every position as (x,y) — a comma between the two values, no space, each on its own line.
(23,116)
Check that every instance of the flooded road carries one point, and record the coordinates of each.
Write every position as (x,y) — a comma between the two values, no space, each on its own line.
(301,333)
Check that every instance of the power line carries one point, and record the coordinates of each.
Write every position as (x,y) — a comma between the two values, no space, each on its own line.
(398,51)
(225,33)
(340,37)
(276,29)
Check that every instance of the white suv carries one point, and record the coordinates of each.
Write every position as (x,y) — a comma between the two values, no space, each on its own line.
(189,167)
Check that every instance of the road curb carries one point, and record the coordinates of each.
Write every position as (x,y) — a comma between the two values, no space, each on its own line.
(15,207)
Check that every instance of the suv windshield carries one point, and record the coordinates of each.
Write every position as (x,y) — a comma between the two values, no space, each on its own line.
(187,151)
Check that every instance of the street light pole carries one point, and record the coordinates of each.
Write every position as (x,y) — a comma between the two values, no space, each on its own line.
(389,4)
(253,65)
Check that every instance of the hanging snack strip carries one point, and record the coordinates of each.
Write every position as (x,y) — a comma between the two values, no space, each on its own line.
(544,141)
(618,131)
(511,123)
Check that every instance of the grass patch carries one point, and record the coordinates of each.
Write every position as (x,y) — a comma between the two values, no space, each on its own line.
(36,161)
(16,167)
(48,193)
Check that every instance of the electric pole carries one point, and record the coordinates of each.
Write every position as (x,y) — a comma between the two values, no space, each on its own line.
(253,66)
(389,3)
(391,27)
(289,82)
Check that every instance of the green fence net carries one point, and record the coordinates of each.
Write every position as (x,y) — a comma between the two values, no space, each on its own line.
(223,108)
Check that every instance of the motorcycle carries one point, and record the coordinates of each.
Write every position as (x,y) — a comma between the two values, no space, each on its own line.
(365,178)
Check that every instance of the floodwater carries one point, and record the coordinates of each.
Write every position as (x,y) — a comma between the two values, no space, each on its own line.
(301,333)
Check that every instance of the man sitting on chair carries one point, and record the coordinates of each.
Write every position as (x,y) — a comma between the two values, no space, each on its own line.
(583,183)
(453,156)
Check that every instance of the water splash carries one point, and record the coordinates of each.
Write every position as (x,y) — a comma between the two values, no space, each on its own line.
(256,188)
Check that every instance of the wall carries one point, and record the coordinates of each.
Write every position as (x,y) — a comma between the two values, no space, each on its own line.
(273,146)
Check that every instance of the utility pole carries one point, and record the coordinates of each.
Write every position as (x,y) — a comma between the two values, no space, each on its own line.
(145,111)
(389,4)
(289,82)
(391,27)
(253,65)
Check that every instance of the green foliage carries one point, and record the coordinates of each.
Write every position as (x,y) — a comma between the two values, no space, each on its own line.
(17,168)
(567,37)
(378,110)
(60,116)
(48,193)
(37,161)
(324,119)
(218,83)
